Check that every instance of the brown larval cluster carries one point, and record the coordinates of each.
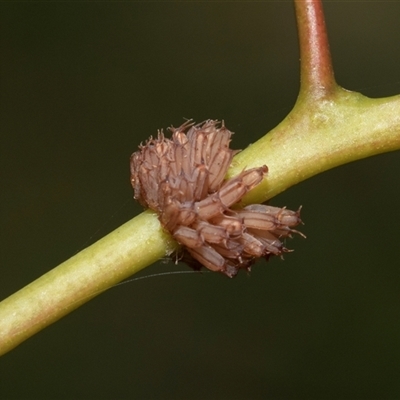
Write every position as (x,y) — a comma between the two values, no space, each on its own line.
(182,180)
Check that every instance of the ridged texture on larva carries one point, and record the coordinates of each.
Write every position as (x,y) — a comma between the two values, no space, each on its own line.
(182,179)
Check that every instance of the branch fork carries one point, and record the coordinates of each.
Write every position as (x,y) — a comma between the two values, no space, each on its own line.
(327,127)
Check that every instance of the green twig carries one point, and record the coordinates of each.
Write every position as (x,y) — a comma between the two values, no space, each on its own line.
(328,126)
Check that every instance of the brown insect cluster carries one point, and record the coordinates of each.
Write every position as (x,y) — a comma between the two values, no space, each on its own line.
(182,180)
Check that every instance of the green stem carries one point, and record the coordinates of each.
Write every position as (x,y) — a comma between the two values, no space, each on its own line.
(319,135)
(310,140)
(125,251)
(328,126)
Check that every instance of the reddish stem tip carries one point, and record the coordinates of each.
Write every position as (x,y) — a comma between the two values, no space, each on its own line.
(317,77)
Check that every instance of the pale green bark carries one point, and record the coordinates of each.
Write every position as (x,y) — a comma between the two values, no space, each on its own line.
(313,138)
(328,126)
(125,251)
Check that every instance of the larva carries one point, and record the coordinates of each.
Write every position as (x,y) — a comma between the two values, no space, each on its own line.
(183,180)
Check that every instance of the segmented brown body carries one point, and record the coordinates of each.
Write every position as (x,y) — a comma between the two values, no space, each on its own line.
(182,179)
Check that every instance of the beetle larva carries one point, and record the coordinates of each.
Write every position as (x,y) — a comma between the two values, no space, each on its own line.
(183,180)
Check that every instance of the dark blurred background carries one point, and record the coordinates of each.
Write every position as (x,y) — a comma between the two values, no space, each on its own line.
(82,84)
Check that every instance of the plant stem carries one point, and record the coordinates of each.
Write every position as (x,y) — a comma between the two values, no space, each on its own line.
(328,126)
(316,71)
(123,252)
(319,135)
